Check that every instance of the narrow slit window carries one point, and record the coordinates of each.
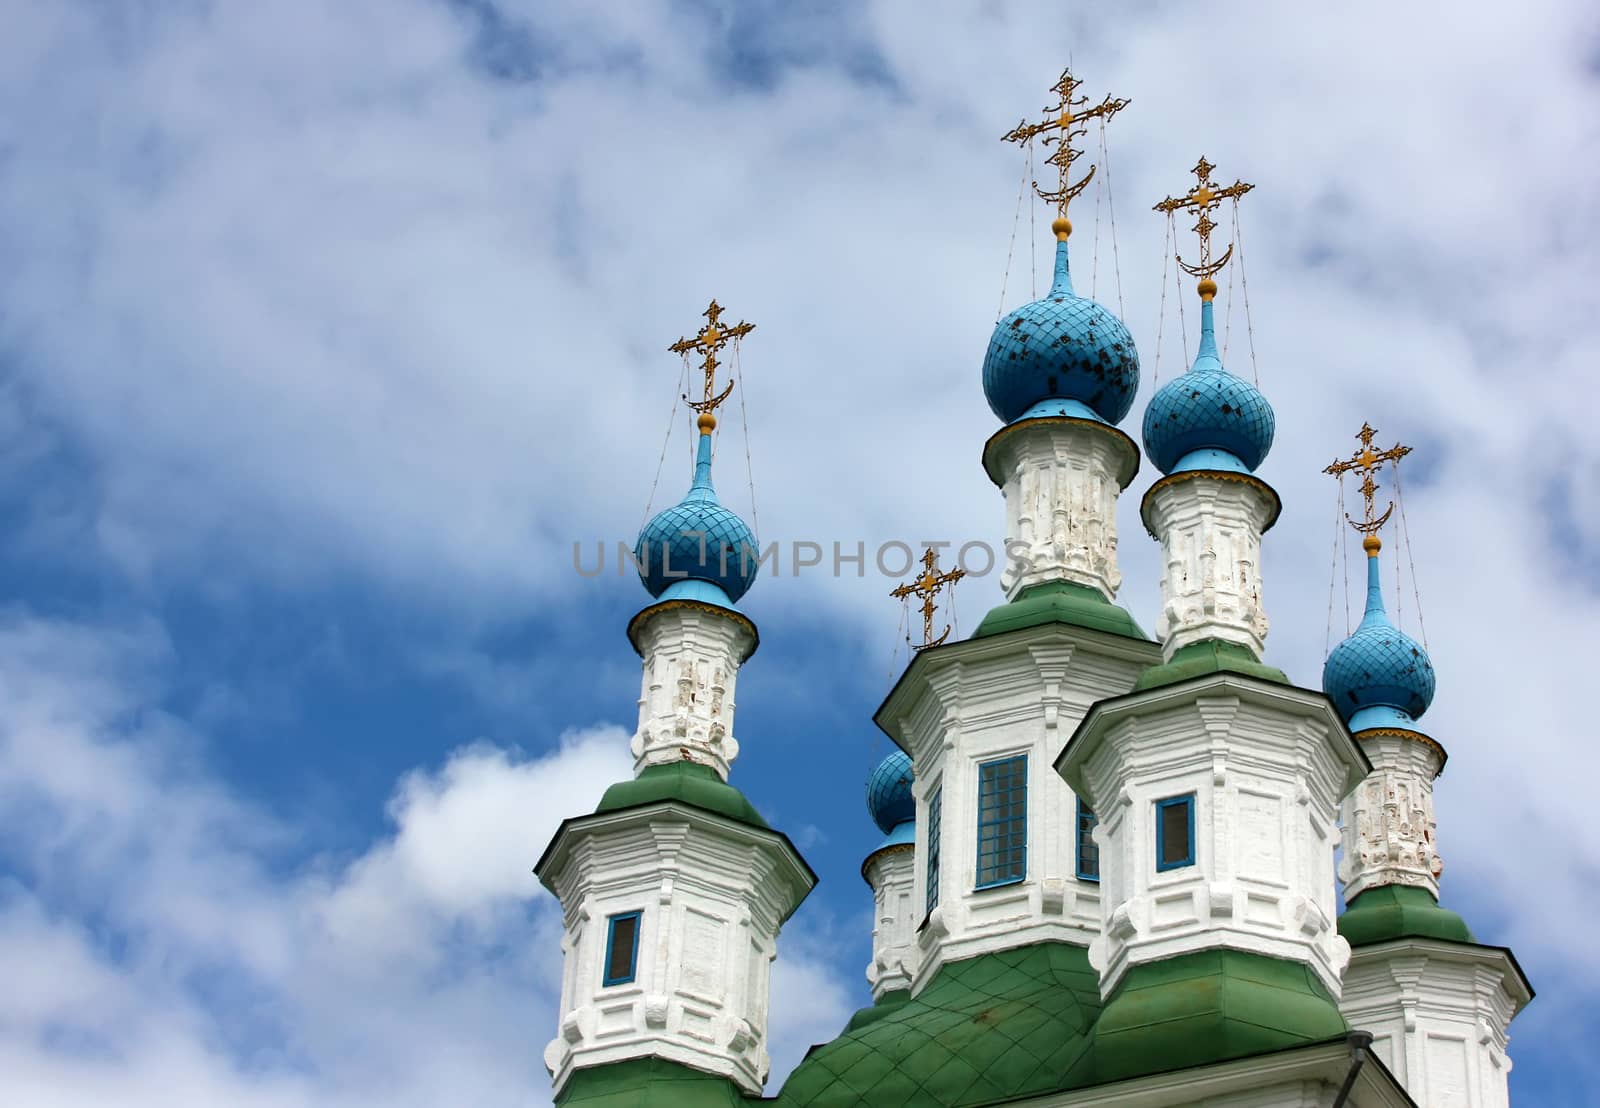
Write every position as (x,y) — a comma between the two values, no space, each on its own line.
(622,948)
(1175,832)
(1002,821)
(1088,849)
(935,803)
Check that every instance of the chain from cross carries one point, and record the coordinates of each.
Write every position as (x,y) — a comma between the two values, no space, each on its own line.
(927,585)
(708,340)
(1068,116)
(1366,462)
(1201,199)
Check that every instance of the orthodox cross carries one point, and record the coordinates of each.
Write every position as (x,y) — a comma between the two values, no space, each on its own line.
(1066,123)
(1201,199)
(1366,462)
(708,340)
(927,586)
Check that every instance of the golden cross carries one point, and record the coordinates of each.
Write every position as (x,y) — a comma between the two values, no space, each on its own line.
(927,585)
(1366,462)
(1201,199)
(1068,117)
(708,340)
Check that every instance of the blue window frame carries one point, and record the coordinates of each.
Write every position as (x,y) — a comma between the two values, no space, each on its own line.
(1088,849)
(935,804)
(1175,832)
(1002,821)
(622,948)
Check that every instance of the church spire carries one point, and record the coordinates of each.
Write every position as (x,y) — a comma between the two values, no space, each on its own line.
(1208,430)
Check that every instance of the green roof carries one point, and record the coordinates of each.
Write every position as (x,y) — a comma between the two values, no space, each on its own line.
(648,1083)
(1060,602)
(1209,656)
(687,782)
(985,1029)
(1206,1007)
(1400,912)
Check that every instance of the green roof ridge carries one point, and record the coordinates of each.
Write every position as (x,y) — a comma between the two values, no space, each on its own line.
(688,783)
(1208,656)
(1400,912)
(1206,1007)
(879,1008)
(1060,602)
(648,1083)
(986,1029)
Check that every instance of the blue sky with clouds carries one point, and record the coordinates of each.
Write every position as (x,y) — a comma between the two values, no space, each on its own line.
(326,329)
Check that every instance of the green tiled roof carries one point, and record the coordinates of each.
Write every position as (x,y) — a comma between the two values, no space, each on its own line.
(1206,1007)
(1060,602)
(1400,912)
(648,1083)
(983,1030)
(688,782)
(1207,657)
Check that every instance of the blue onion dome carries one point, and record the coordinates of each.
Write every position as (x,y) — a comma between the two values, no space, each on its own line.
(889,792)
(1379,676)
(1063,347)
(1208,418)
(697,539)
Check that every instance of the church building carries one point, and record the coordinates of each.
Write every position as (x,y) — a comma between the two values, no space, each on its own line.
(1108,871)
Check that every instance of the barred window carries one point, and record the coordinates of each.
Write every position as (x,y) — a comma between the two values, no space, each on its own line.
(1002,821)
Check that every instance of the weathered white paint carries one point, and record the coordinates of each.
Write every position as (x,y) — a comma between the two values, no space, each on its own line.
(1210,530)
(1439,1014)
(691,657)
(1267,766)
(893,876)
(1388,819)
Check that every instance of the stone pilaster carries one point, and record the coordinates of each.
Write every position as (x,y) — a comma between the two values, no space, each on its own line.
(1388,819)
(892,873)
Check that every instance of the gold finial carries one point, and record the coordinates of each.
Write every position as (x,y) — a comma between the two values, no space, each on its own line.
(1067,117)
(1200,199)
(1366,462)
(927,585)
(708,340)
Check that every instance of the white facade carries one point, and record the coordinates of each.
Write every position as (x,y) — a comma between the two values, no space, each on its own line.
(1210,527)
(1266,766)
(1061,478)
(972,702)
(892,873)
(1438,1013)
(1388,820)
(692,653)
(712,894)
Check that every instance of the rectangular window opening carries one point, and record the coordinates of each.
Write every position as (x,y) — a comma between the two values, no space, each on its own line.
(622,948)
(935,803)
(1002,821)
(1175,832)
(1088,849)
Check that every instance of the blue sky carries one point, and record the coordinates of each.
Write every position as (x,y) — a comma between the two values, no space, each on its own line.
(326,329)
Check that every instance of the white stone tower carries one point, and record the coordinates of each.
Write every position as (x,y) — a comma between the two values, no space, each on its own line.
(673,891)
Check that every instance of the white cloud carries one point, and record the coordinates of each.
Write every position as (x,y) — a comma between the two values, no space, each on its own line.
(166,943)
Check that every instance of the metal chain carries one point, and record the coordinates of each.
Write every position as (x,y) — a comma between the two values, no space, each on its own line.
(1405,531)
(1161,317)
(1177,276)
(1227,319)
(678,389)
(1244,288)
(1011,247)
(1344,550)
(1333,577)
(1111,210)
(744,422)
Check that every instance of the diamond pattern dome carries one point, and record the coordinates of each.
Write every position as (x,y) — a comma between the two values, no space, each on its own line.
(1062,346)
(1208,408)
(698,539)
(889,796)
(1379,665)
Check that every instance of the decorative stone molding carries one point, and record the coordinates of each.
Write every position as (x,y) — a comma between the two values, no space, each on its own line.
(892,873)
(1061,479)
(1439,1013)
(1210,528)
(691,657)
(1266,766)
(712,894)
(1389,832)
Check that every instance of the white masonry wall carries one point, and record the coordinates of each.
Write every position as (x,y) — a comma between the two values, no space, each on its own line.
(1060,482)
(1439,1014)
(691,661)
(1388,820)
(1021,693)
(712,896)
(1210,530)
(893,876)
(1267,771)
